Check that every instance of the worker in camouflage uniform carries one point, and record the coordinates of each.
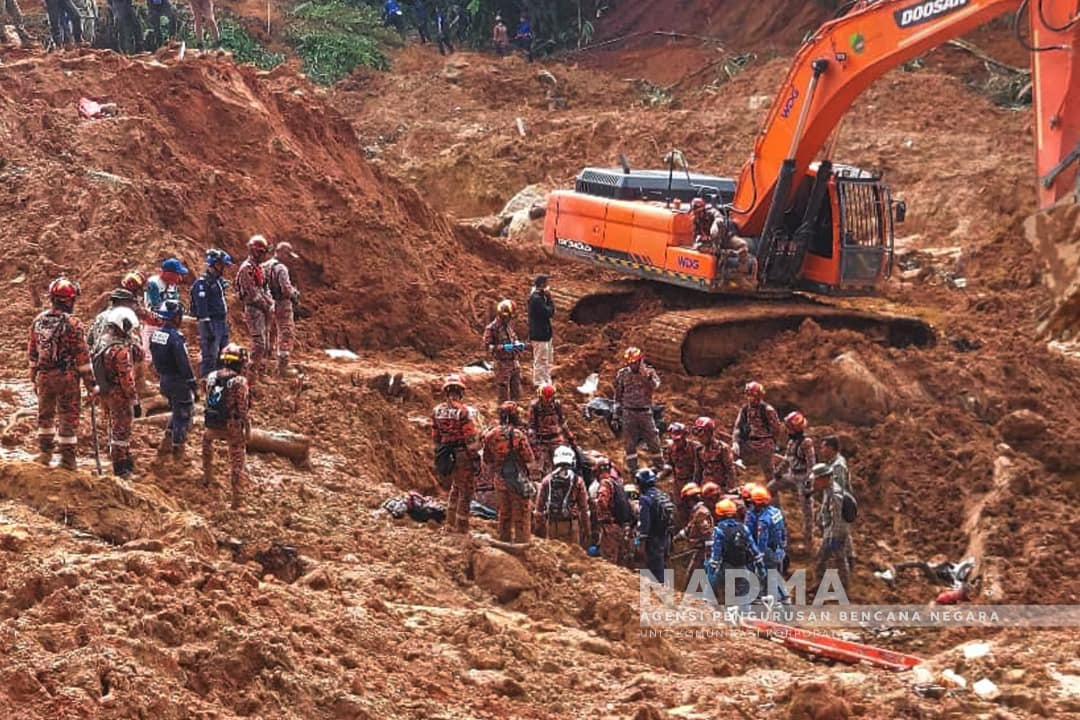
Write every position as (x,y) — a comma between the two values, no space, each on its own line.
(285,295)
(453,431)
(58,358)
(635,383)
(613,535)
(227,417)
(679,455)
(793,472)
(838,467)
(546,426)
(758,431)
(714,461)
(254,293)
(503,345)
(114,368)
(833,553)
(697,533)
(562,502)
(508,458)
(168,349)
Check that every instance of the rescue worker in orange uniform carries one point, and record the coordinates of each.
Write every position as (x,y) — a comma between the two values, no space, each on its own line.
(699,526)
(613,534)
(285,296)
(562,502)
(59,358)
(114,355)
(503,345)
(254,293)
(454,433)
(508,457)
(547,427)
(714,461)
(758,431)
(635,383)
(227,417)
(679,454)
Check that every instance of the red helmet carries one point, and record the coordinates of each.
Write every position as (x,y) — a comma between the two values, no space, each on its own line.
(64,290)
(760,495)
(676,430)
(754,390)
(633,354)
(697,204)
(704,426)
(453,382)
(710,490)
(258,243)
(135,281)
(795,421)
(689,490)
(726,508)
(546,392)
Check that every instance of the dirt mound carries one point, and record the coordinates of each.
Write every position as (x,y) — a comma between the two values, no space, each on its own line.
(206,153)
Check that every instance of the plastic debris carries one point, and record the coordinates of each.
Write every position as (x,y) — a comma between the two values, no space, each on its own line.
(986,688)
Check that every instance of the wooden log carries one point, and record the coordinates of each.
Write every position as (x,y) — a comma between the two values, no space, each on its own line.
(293,446)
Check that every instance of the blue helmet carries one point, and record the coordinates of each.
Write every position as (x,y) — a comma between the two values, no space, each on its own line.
(174,266)
(170,309)
(645,477)
(214,256)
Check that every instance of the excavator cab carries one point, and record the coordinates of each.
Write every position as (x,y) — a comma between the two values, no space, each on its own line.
(849,250)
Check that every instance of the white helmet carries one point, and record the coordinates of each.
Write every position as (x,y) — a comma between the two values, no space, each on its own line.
(123,319)
(565,455)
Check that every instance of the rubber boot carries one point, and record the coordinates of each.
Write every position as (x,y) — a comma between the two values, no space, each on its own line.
(46,452)
(67,458)
(283,366)
(118,468)
(164,450)
(179,454)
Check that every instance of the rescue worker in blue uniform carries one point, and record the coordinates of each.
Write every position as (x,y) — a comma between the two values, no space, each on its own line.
(169,352)
(209,306)
(653,524)
(769,532)
(733,548)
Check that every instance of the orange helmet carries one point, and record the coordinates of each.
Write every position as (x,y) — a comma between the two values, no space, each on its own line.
(710,490)
(760,495)
(546,392)
(704,426)
(633,354)
(726,508)
(258,243)
(795,421)
(64,290)
(135,281)
(453,382)
(505,307)
(754,390)
(689,490)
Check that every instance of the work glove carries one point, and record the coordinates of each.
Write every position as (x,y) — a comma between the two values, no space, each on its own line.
(508,347)
(92,391)
(593,551)
(136,410)
(519,346)
(637,541)
(735,449)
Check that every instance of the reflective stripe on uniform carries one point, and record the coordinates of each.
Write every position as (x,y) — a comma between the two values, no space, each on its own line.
(63,440)
(120,443)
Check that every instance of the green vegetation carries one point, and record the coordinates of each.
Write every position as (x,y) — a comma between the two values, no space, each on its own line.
(244,48)
(333,37)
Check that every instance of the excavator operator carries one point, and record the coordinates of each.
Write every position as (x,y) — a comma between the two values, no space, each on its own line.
(714,233)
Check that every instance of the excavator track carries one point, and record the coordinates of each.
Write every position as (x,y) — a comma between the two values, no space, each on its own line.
(705,341)
(593,303)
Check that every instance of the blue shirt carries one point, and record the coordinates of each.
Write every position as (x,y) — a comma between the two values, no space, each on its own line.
(170,356)
(718,542)
(647,507)
(767,529)
(208,298)
(392,8)
(524,30)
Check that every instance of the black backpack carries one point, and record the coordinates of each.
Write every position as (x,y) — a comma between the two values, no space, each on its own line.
(217,413)
(849,508)
(620,504)
(736,546)
(97,365)
(744,421)
(663,514)
(557,504)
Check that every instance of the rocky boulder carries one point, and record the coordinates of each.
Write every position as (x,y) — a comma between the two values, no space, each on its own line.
(503,575)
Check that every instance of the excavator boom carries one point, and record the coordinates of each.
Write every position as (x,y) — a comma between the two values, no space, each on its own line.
(848,54)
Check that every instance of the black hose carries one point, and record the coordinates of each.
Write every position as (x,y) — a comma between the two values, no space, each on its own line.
(1046,23)
(1020,37)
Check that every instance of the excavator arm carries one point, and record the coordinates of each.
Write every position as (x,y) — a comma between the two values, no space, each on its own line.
(846,55)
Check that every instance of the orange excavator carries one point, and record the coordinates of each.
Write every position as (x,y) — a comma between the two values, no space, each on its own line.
(811,225)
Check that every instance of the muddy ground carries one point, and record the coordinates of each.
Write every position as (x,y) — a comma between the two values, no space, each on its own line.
(152,599)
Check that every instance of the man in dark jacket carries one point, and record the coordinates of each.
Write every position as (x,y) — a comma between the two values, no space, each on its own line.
(653,524)
(208,305)
(169,353)
(541,310)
